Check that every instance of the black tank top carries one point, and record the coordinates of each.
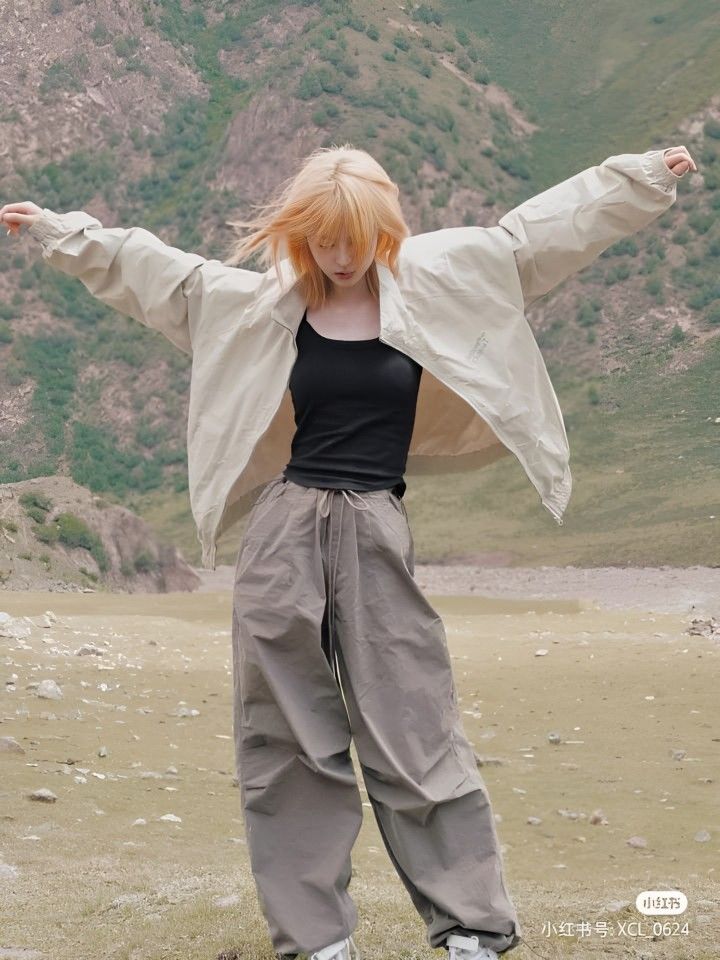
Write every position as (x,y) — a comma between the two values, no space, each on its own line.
(354,403)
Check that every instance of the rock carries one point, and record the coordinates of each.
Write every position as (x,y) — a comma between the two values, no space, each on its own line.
(541,653)
(10,745)
(15,629)
(554,737)
(49,690)
(483,761)
(636,842)
(615,906)
(232,900)
(43,794)
(534,821)
(704,628)
(139,822)
(8,872)
(184,711)
(702,836)
(597,816)
(88,649)
(678,754)
(171,817)
(102,752)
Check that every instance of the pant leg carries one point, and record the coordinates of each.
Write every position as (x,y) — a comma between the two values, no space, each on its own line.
(301,802)
(430,802)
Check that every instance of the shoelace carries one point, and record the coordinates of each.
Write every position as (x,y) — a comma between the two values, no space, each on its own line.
(324,503)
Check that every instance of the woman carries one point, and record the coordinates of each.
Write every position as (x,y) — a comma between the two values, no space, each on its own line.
(332,637)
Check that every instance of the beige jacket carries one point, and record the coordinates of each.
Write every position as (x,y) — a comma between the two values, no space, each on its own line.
(457,307)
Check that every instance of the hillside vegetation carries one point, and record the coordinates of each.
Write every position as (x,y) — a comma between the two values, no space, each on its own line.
(181,116)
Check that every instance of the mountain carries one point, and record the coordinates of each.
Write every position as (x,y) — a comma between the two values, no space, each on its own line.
(180,116)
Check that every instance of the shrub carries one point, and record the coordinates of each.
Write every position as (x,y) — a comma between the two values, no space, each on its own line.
(46,533)
(713,315)
(35,500)
(625,247)
(588,312)
(701,222)
(65,74)
(425,14)
(616,273)
(145,562)
(74,532)
(706,294)
(100,34)
(711,128)
(677,334)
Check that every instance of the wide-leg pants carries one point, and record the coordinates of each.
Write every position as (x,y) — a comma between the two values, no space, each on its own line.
(332,639)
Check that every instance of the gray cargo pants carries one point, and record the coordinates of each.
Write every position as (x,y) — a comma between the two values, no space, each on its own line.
(324,589)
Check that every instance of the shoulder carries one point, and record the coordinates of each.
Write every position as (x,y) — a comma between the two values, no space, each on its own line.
(451,256)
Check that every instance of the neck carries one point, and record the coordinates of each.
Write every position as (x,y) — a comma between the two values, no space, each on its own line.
(348,296)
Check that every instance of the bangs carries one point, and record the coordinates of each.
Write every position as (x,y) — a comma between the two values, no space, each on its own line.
(339,213)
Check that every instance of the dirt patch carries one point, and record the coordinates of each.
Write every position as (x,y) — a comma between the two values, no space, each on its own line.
(662,589)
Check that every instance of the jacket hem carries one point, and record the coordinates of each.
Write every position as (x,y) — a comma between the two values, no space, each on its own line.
(557,502)
(209,551)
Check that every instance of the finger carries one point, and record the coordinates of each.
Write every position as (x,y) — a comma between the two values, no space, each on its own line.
(685,153)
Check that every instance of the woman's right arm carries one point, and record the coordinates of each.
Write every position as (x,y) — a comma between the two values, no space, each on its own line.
(131,270)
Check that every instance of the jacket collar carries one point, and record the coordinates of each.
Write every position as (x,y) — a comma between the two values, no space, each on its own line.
(394,315)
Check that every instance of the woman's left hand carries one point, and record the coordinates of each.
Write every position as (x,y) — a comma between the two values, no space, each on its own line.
(679,160)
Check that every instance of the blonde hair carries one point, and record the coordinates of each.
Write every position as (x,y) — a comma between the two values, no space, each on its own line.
(337,189)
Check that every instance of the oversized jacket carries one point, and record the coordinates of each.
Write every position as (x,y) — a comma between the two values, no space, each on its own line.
(457,306)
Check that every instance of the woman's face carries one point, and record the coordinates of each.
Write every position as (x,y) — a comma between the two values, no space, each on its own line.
(338,261)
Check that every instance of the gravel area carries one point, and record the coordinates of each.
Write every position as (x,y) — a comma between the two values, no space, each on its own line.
(688,590)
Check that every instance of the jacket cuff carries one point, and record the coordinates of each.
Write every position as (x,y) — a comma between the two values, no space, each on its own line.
(50,227)
(657,171)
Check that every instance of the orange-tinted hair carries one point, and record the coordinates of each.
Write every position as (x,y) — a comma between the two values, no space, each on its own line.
(338,190)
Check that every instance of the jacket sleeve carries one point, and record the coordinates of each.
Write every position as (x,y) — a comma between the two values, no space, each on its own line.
(131,270)
(563,229)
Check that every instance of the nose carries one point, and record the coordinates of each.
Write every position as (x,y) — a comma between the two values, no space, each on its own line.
(344,257)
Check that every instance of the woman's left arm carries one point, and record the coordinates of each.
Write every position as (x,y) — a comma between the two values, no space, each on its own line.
(563,229)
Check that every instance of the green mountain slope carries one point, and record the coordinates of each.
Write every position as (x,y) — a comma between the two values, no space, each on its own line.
(191,113)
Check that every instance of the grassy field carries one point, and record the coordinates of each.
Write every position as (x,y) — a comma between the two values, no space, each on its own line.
(601,78)
(79,881)
(645,484)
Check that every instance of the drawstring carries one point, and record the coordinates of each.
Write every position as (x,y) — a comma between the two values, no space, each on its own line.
(325,496)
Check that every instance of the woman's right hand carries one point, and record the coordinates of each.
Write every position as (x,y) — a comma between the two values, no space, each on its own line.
(14,215)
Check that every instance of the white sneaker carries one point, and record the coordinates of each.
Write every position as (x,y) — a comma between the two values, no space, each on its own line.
(342,950)
(468,948)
